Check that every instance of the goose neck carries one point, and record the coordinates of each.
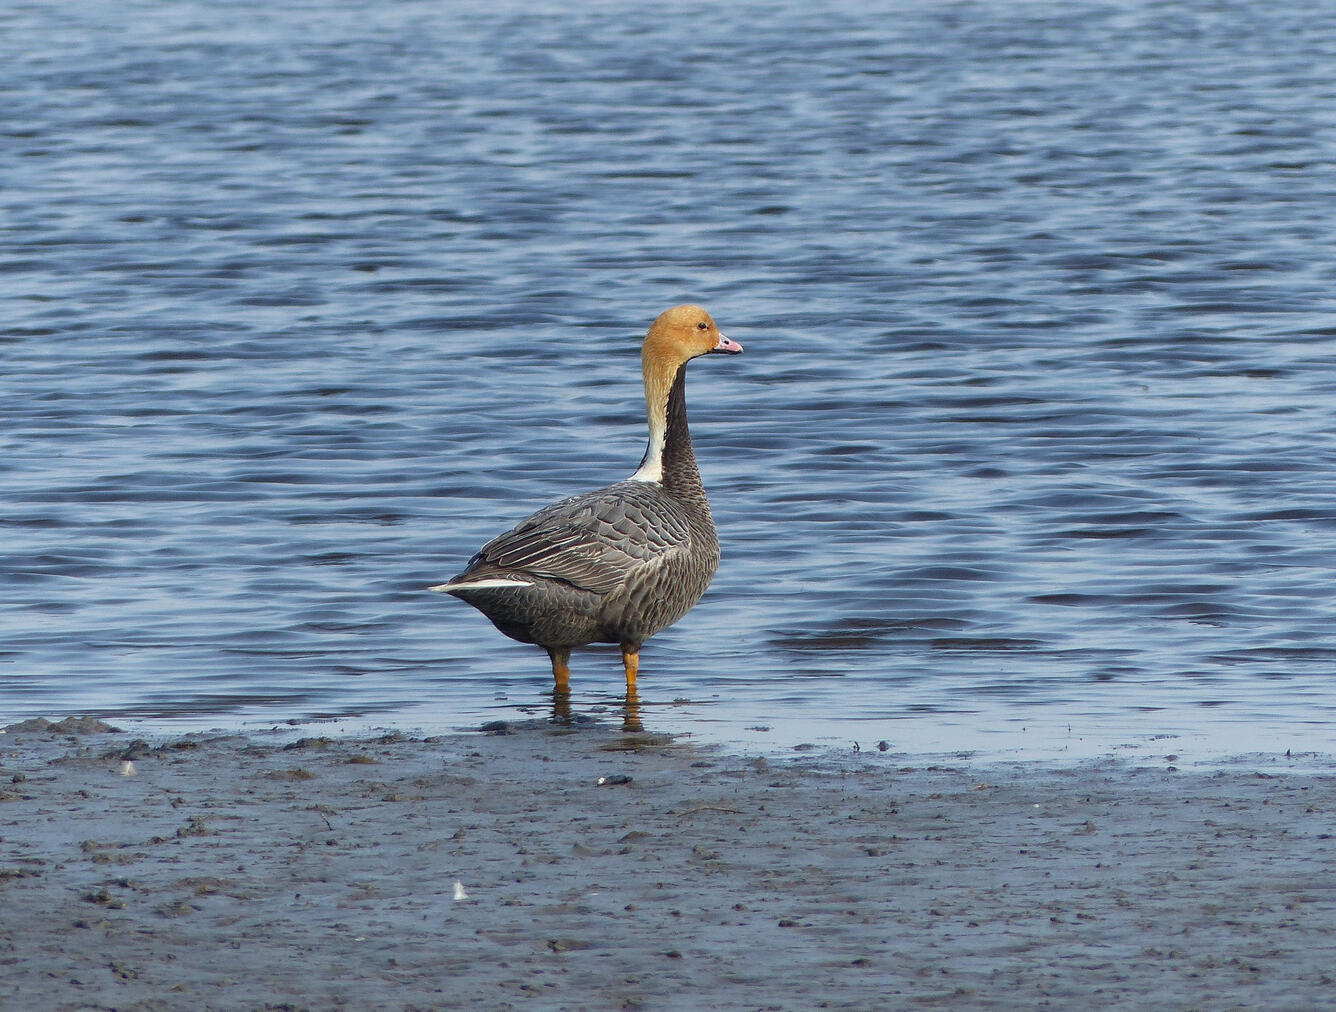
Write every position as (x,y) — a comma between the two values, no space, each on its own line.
(669,459)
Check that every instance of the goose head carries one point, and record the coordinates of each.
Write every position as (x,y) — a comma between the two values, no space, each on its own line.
(676,337)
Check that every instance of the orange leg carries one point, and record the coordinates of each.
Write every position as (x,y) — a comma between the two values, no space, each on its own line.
(561,670)
(631,661)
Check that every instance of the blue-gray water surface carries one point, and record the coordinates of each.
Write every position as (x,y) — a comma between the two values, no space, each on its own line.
(1031,448)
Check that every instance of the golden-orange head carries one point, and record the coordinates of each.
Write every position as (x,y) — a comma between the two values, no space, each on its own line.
(679,335)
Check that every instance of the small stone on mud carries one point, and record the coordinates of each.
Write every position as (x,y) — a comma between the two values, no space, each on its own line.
(137,749)
(300,743)
(568,944)
(293,774)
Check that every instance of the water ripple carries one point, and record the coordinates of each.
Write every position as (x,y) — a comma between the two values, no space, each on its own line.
(306,301)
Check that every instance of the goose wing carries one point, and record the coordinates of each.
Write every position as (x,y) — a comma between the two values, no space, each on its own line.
(592,541)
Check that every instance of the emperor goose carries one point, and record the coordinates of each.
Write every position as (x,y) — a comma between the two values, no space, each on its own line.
(622,563)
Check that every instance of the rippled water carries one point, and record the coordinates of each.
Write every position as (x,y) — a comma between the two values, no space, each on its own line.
(1032,445)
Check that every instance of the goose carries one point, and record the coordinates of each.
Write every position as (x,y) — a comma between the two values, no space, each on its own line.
(622,563)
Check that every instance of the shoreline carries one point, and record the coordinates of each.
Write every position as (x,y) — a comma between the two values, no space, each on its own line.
(580,867)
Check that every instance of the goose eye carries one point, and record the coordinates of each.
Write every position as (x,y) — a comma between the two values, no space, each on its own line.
(702,326)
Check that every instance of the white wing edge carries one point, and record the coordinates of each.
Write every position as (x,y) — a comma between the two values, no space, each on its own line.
(487,584)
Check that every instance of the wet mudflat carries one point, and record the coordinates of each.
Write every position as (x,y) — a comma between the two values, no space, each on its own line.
(496,871)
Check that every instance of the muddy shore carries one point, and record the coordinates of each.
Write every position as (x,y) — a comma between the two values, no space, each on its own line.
(583,868)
